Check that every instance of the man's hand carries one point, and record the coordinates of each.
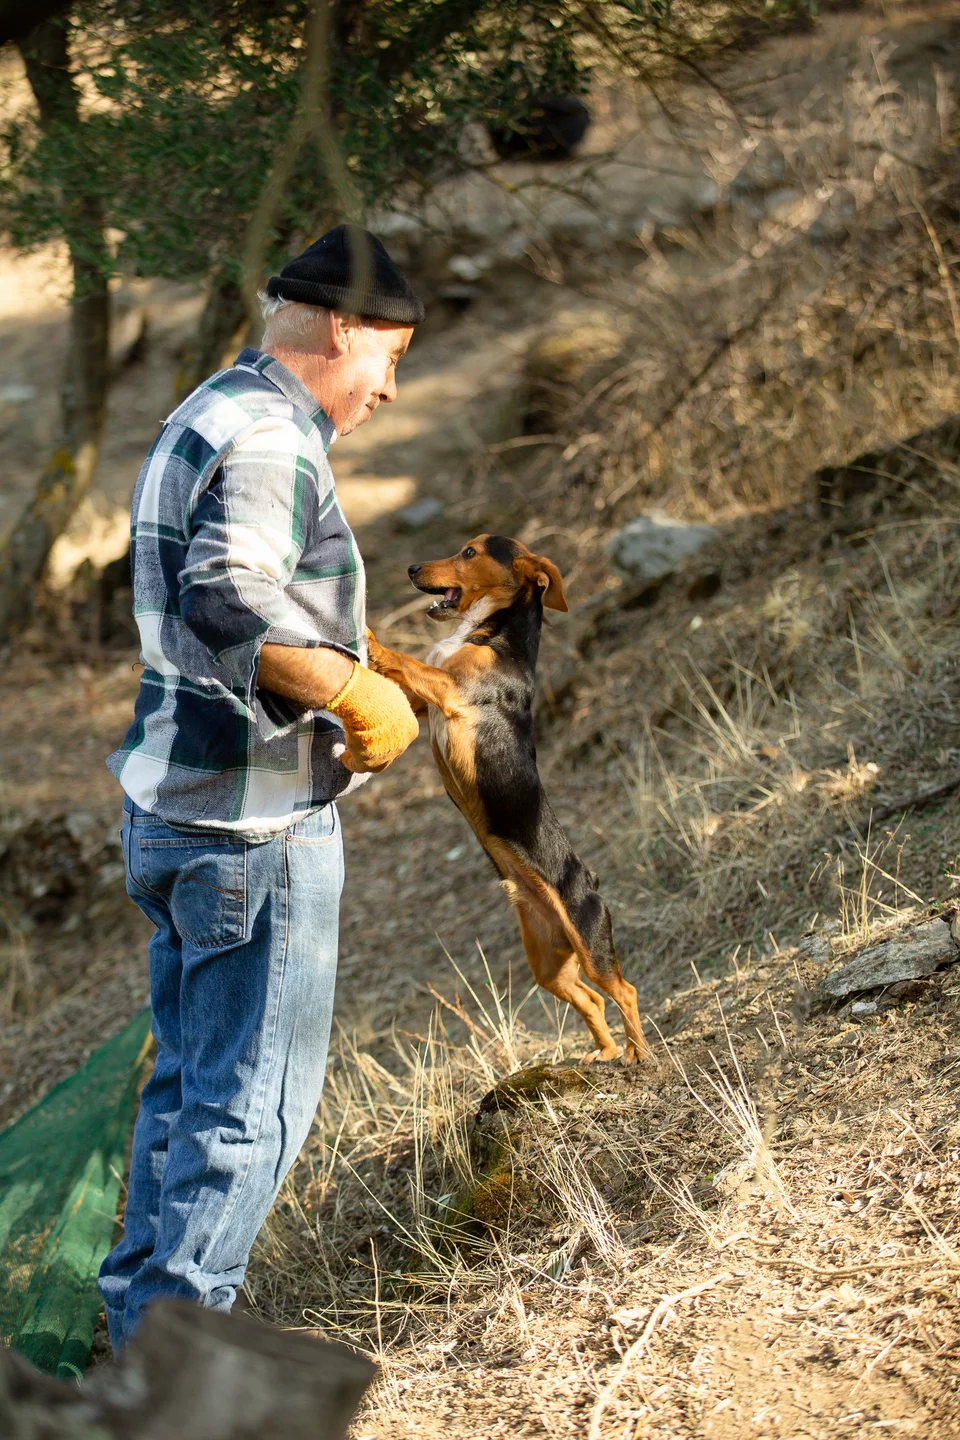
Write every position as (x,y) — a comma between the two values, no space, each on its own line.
(377,719)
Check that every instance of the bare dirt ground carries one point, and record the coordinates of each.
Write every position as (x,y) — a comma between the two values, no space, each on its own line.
(759,1240)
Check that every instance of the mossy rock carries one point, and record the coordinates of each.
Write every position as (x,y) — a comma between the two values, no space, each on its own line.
(573,346)
(500,1138)
(506,1113)
(500,1193)
(496,1197)
(538,1082)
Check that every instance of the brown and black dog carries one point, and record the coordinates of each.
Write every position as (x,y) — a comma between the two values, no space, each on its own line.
(478,687)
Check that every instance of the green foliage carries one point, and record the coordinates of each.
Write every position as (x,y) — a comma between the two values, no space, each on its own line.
(188,102)
(193,100)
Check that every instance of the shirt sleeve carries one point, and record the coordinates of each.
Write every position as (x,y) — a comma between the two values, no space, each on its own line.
(247,536)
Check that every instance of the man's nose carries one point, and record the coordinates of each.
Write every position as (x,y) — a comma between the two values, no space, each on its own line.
(413,571)
(389,391)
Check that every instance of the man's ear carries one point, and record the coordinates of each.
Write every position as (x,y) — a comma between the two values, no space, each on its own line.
(544,573)
(342,330)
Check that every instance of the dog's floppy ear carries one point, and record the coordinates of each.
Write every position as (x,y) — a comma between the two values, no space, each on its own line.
(544,573)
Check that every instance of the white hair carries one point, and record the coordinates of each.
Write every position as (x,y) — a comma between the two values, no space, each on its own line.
(292,320)
(288,319)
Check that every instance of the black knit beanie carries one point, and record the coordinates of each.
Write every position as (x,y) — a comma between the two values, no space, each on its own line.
(348,269)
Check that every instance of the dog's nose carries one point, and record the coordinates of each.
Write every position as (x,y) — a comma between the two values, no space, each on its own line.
(413,571)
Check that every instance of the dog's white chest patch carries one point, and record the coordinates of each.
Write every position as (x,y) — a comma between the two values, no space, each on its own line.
(438,731)
(445,648)
(442,652)
(469,622)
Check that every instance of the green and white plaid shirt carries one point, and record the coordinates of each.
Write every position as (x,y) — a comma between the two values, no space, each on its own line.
(238,539)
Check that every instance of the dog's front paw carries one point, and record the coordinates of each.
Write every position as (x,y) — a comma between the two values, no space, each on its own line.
(375,651)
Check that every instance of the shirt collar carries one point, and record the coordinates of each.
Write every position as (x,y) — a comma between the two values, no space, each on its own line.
(294,389)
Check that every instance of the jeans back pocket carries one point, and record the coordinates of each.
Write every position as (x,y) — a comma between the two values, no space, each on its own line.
(203,882)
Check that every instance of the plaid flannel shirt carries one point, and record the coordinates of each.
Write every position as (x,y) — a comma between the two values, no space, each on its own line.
(238,539)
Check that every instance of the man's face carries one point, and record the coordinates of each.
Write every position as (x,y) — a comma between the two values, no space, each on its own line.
(366,371)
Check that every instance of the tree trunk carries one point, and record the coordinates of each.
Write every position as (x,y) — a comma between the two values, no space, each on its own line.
(230,304)
(68,470)
(224,314)
(18,19)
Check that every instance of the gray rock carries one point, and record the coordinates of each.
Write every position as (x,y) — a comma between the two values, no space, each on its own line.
(784,204)
(814,947)
(582,228)
(79,823)
(111,874)
(390,224)
(919,952)
(420,512)
(651,547)
(468,267)
(459,294)
(17,393)
(703,195)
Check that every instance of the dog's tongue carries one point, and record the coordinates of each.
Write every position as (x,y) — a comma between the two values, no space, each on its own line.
(449,597)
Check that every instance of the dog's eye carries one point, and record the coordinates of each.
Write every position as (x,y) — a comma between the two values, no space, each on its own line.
(468,554)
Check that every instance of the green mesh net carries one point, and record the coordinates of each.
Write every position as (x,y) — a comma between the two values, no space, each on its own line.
(60,1172)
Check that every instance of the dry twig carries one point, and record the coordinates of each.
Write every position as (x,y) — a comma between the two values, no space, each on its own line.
(657,1315)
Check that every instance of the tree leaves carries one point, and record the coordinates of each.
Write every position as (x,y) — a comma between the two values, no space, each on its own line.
(189,103)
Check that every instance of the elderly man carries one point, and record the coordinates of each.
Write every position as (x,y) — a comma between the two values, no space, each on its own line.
(255,712)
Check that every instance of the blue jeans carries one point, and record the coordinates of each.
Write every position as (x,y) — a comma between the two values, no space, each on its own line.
(242,970)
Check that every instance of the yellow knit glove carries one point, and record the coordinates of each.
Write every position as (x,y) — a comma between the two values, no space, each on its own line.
(376,718)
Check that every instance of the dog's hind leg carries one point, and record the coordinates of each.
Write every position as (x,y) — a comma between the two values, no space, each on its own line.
(602,968)
(561,976)
(556,968)
(624,996)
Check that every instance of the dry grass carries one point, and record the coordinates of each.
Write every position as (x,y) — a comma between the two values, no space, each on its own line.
(794,1185)
(761,1239)
(754,730)
(811,350)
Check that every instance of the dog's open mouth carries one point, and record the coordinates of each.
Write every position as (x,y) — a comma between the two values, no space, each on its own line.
(446,604)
